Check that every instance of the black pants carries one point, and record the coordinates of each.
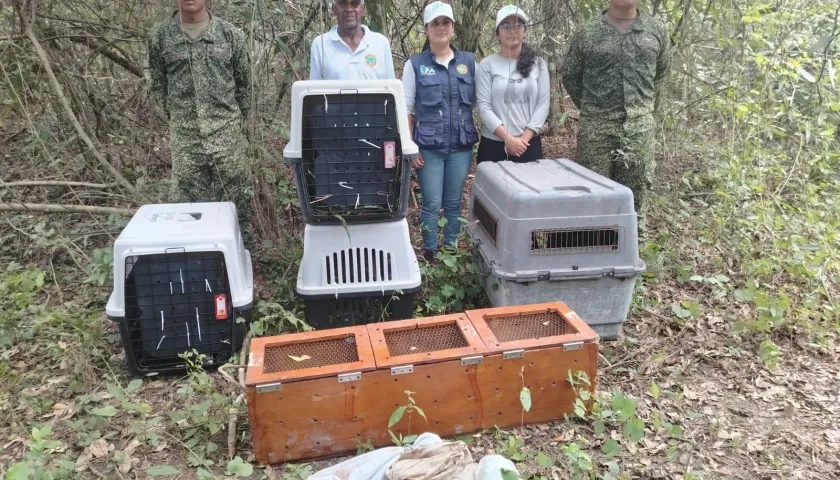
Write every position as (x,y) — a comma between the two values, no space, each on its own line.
(490,150)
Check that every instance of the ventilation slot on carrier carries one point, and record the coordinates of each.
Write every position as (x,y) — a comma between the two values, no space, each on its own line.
(575,240)
(322,353)
(422,339)
(529,326)
(358,266)
(487,222)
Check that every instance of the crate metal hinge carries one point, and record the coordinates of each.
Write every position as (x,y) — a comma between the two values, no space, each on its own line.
(511,354)
(268,387)
(402,370)
(475,360)
(568,347)
(349,377)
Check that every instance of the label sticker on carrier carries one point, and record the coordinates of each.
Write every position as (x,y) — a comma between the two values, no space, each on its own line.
(221,307)
(390,154)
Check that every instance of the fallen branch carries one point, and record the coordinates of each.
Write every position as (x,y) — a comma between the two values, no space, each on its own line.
(56,183)
(234,409)
(52,208)
(42,55)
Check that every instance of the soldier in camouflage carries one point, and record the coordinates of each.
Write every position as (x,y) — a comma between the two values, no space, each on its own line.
(614,71)
(201,77)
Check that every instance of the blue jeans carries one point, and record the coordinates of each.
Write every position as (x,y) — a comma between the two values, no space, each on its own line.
(442,183)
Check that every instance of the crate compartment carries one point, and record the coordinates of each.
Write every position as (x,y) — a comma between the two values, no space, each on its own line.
(357,274)
(551,230)
(349,151)
(424,340)
(174,293)
(305,392)
(542,343)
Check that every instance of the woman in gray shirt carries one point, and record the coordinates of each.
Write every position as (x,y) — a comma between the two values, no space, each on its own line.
(512,93)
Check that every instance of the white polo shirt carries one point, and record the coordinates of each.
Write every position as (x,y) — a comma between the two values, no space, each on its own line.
(371,60)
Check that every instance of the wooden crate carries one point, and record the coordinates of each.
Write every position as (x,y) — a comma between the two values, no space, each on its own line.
(306,407)
(323,411)
(542,343)
(318,394)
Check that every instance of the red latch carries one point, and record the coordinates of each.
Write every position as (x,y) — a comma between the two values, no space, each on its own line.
(221,307)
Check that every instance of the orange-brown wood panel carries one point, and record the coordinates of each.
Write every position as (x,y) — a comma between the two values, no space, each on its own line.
(321,417)
(545,374)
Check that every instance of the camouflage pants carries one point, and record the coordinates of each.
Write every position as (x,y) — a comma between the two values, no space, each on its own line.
(627,160)
(220,177)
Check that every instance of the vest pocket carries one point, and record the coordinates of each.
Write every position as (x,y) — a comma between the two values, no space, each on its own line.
(467,133)
(429,91)
(466,89)
(426,136)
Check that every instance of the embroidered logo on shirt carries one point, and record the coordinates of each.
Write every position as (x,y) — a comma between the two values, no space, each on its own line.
(462,69)
(424,70)
(370,60)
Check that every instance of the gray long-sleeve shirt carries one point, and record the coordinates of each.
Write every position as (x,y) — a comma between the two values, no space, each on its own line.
(505,98)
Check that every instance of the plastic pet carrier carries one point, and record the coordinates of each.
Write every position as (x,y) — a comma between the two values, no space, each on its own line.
(357,274)
(552,230)
(182,281)
(350,149)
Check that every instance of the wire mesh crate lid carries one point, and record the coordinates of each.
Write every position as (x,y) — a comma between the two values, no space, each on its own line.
(527,327)
(424,340)
(306,355)
(293,151)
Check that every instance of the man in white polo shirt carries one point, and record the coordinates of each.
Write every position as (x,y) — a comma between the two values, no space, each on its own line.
(350,51)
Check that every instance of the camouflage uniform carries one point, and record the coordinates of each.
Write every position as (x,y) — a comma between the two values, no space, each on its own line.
(615,78)
(204,86)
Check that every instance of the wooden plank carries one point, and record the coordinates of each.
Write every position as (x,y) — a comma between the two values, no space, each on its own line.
(379,334)
(256,372)
(546,376)
(579,331)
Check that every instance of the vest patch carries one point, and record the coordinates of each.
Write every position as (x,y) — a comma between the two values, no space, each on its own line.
(370,60)
(462,69)
(424,70)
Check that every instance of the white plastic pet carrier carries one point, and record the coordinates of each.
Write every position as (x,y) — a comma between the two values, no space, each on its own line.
(183,281)
(358,274)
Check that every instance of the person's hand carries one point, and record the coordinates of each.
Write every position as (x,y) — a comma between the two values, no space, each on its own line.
(515,146)
(417,163)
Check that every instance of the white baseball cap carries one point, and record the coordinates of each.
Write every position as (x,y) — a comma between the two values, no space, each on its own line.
(509,10)
(435,10)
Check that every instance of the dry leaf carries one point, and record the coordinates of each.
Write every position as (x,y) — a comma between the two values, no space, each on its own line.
(63,365)
(161,447)
(300,359)
(833,436)
(131,447)
(83,461)
(123,461)
(100,448)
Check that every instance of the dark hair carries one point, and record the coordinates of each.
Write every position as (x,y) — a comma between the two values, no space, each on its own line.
(526,61)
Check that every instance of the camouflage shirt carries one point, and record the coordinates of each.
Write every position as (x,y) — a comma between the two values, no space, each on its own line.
(203,84)
(615,76)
